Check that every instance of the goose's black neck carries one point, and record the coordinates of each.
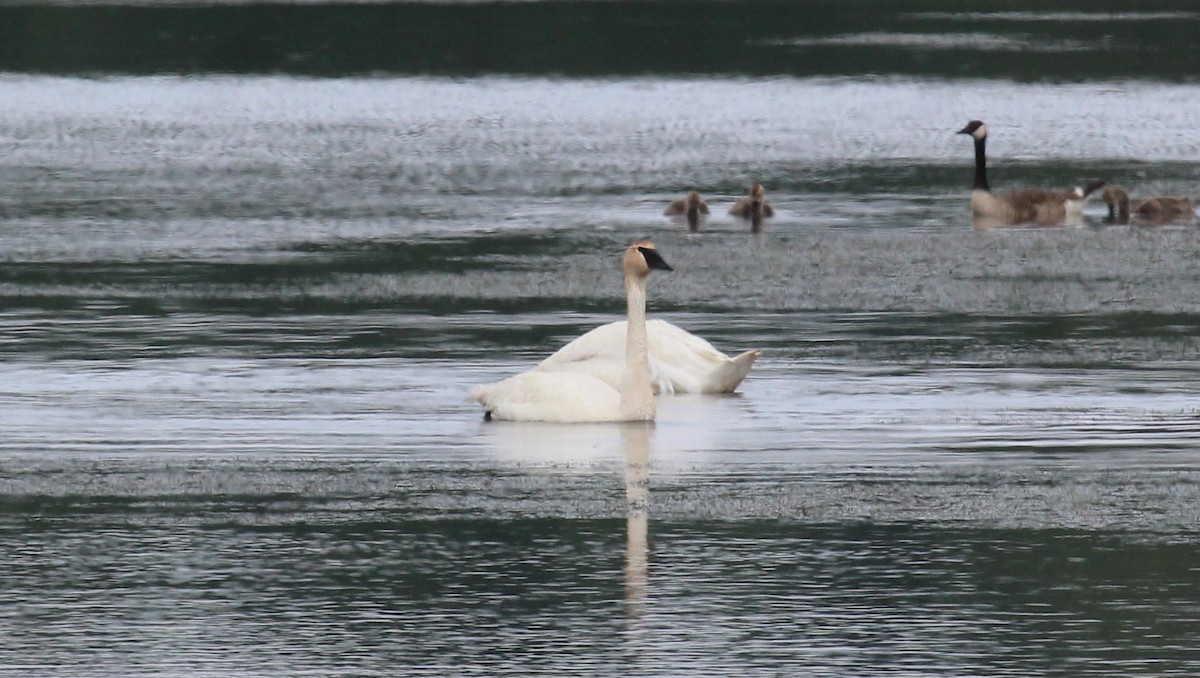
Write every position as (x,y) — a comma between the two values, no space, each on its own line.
(981,181)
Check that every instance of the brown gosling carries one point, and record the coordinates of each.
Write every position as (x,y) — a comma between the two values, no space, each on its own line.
(753,207)
(691,206)
(1157,210)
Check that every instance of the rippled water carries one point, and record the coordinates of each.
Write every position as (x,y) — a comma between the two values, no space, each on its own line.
(241,312)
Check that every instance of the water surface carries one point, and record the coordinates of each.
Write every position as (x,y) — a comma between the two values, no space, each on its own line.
(241,311)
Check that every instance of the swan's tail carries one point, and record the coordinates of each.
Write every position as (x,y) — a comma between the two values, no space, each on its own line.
(726,378)
(480,393)
(483,394)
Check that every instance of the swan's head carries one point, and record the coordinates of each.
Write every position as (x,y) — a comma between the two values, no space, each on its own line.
(641,257)
(693,198)
(757,193)
(976,129)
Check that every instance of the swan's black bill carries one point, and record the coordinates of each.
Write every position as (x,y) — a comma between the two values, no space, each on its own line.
(654,260)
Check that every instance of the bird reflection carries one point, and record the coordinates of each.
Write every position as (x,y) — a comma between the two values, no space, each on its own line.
(635,438)
(986,223)
(575,444)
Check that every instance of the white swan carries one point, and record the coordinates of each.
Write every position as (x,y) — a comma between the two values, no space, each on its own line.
(540,395)
(680,362)
(1023,205)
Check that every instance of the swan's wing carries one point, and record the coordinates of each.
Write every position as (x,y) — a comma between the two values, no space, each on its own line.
(549,396)
(600,353)
(685,359)
(691,363)
(605,343)
(607,367)
(675,208)
(727,377)
(666,338)
(680,362)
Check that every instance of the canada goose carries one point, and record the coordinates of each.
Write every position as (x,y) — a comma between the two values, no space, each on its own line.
(753,207)
(680,362)
(1024,205)
(1159,210)
(577,397)
(691,206)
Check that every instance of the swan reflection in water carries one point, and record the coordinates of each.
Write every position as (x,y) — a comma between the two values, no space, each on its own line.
(581,448)
(986,223)
(635,438)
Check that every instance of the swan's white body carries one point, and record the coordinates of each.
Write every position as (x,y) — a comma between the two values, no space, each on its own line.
(563,397)
(566,396)
(679,361)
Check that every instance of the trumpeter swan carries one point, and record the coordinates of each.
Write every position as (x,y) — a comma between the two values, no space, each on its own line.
(753,207)
(1024,205)
(577,397)
(691,207)
(1158,210)
(680,362)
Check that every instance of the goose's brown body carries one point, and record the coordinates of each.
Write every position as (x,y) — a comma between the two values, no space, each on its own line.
(1025,205)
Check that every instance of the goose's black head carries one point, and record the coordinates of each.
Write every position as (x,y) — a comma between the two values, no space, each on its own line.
(975,128)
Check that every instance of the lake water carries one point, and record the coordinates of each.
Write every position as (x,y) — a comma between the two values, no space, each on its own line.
(243,295)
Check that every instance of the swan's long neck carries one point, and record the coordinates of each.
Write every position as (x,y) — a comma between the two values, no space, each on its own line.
(981,182)
(637,395)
